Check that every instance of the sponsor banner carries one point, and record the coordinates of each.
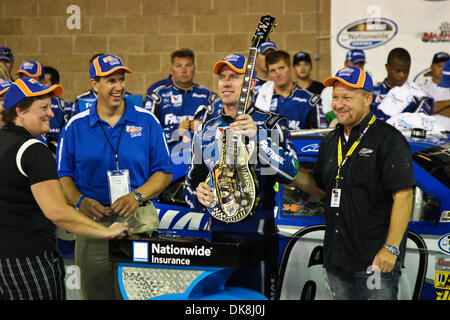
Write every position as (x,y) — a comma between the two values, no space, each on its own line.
(378,26)
(442,280)
(188,251)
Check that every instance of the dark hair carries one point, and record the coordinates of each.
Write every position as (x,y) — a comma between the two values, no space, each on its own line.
(275,56)
(182,53)
(54,74)
(11,114)
(398,54)
(95,56)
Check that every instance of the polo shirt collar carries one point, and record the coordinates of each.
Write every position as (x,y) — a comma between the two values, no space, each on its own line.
(129,115)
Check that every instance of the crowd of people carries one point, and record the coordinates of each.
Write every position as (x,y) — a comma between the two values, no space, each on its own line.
(93,166)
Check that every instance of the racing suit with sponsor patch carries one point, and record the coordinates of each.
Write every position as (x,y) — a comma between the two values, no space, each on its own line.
(389,101)
(171,104)
(62,111)
(301,108)
(274,160)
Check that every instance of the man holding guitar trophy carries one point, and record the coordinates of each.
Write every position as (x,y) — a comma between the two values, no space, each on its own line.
(238,157)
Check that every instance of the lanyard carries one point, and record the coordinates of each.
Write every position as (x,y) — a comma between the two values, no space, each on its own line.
(115,151)
(341,162)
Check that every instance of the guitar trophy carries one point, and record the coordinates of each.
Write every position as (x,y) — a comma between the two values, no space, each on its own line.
(233,179)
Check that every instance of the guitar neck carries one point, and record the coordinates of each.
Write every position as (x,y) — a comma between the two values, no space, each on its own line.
(247,84)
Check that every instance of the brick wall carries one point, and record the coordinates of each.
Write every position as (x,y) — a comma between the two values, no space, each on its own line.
(144,33)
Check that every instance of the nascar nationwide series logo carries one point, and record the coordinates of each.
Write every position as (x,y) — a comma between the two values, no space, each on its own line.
(442,35)
(367,33)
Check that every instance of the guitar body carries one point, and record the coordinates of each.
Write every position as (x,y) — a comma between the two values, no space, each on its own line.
(234,185)
(233,179)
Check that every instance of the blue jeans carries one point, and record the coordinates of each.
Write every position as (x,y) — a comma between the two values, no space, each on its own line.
(362,285)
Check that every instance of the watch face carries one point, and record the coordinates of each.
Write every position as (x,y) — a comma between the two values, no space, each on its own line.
(393,249)
(138,196)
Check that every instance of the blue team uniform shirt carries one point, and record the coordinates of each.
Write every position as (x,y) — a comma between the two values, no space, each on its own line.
(423,105)
(301,108)
(61,110)
(85,155)
(210,111)
(379,92)
(158,84)
(171,104)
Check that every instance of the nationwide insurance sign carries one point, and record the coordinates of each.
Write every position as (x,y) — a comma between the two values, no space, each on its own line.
(377,26)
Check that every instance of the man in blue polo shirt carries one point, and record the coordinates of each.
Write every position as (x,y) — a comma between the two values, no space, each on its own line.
(112,158)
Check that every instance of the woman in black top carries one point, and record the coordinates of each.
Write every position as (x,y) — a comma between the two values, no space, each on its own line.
(32,201)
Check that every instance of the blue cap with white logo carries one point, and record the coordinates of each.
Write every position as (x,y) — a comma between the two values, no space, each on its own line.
(266,46)
(28,87)
(353,77)
(237,62)
(4,86)
(445,81)
(105,65)
(31,69)
(355,55)
(6,54)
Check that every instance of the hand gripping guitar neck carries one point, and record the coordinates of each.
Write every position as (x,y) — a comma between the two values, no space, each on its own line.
(233,179)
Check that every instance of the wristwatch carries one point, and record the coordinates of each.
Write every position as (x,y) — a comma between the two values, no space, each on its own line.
(138,196)
(393,249)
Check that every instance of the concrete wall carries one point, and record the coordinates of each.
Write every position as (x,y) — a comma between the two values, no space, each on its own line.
(144,33)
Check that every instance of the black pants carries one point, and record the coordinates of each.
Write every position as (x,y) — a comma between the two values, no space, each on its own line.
(33,278)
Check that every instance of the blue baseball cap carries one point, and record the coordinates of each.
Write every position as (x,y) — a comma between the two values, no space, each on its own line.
(355,55)
(266,46)
(237,62)
(301,56)
(440,57)
(6,54)
(28,87)
(353,77)
(4,86)
(445,81)
(105,65)
(31,69)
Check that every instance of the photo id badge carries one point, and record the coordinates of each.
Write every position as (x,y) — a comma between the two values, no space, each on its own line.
(335,198)
(119,183)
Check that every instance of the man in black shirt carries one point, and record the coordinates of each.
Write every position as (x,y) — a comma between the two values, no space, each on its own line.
(303,67)
(364,168)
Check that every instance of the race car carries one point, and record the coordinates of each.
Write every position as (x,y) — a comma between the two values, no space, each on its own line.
(300,219)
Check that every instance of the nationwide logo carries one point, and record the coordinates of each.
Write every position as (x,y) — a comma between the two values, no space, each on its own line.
(444,243)
(442,35)
(174,255)
(367,33)
(134,131)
